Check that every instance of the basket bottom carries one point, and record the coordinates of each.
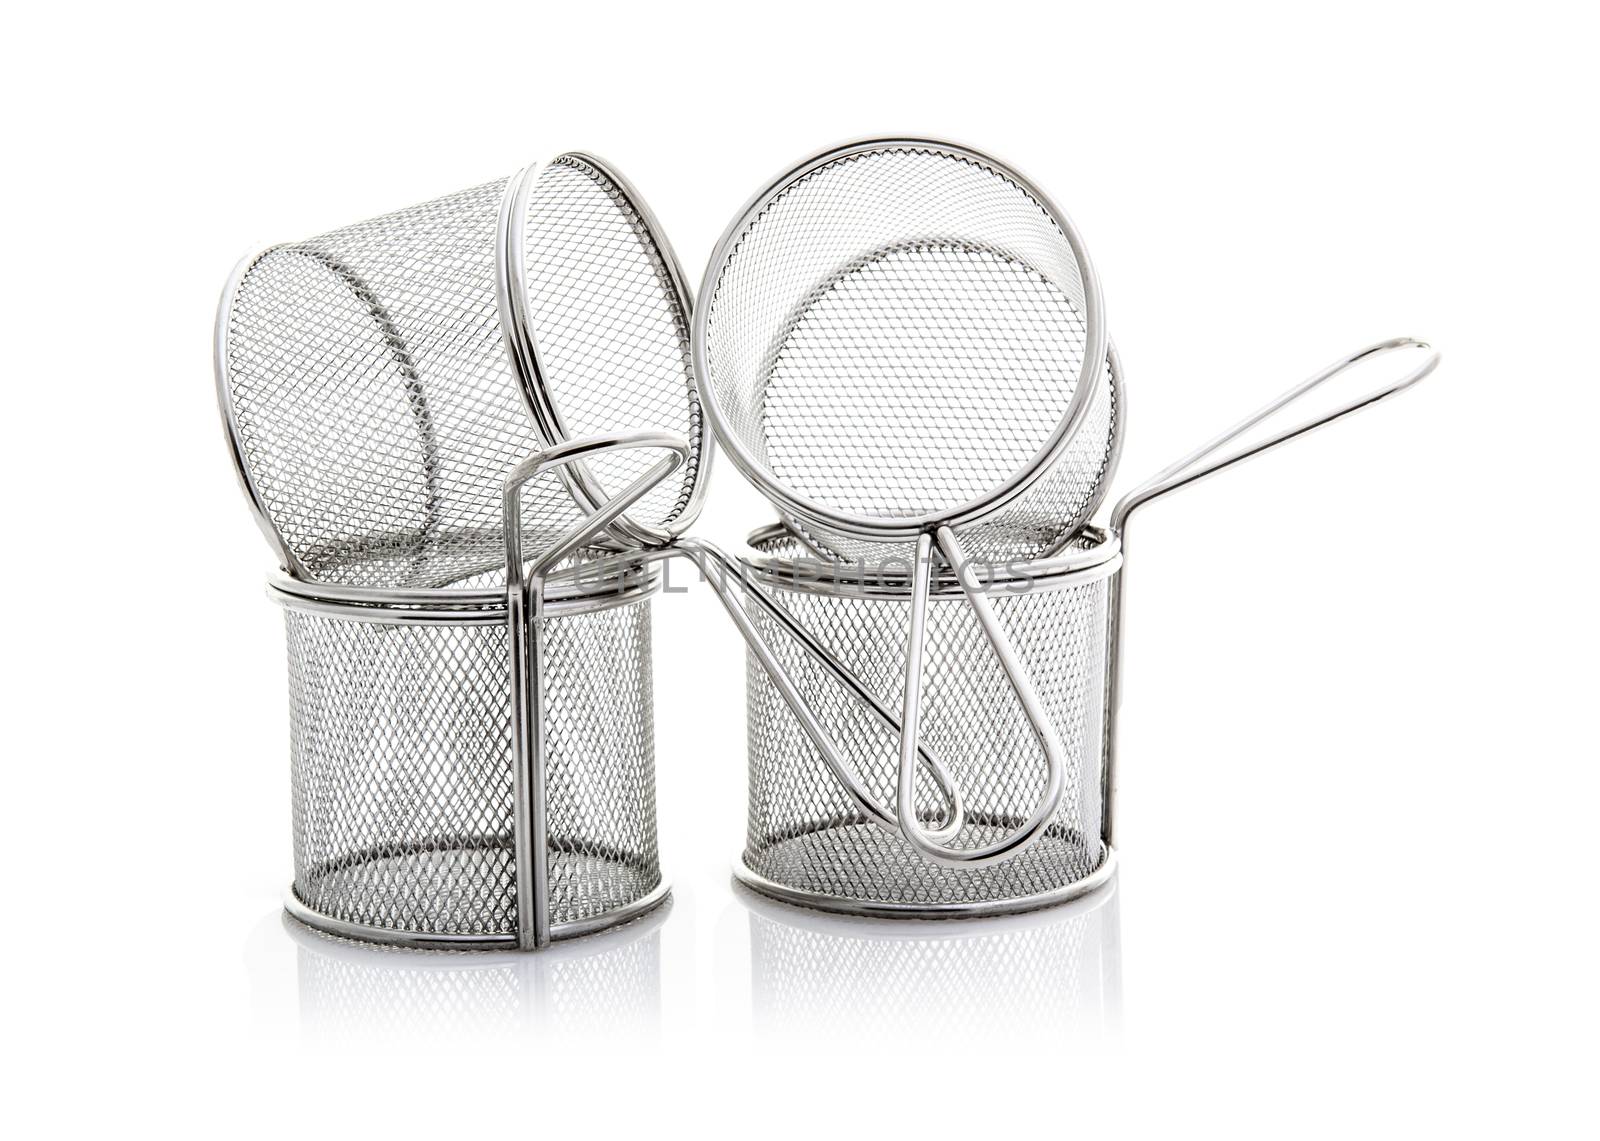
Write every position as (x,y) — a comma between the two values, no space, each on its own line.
(859,869)
(471,912)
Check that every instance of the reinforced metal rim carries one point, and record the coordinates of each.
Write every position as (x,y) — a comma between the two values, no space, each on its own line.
(880,909)
(522,346)
(479,606)
(427,941)
(892,579)
(901,527)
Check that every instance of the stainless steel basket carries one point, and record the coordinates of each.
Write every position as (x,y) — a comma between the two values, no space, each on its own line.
(448,421)
(409,825)
(809,845)
(902,345)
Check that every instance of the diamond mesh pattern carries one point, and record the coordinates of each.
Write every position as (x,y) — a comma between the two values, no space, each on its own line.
(804,832)
(600,762)
(376,411)
(375,407)
(898,332)
(613,339)
(402,770)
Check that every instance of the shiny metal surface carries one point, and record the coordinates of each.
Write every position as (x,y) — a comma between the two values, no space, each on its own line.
(903,333)
(901,343)
(817,845)
(470,691)
(374,399)
(806,846)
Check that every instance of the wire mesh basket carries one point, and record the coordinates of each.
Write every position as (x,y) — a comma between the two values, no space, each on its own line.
(456,424)
(404,785)
(807,844)
(902,345)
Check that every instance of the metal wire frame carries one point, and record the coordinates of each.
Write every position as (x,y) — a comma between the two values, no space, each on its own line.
(539,385)
(881,528)
(530,840)
(1104,556)
(505,291)
(942,525)
(535,591)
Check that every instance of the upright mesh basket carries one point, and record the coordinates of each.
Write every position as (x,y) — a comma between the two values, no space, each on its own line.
(415,407)
(809,844)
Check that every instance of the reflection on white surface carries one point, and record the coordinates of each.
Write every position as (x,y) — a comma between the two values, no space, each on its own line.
(1046,972)
(603,984)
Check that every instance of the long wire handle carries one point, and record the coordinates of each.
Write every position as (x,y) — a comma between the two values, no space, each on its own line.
(525,596)
(1199,464)
(1190,469)
(717,570)
(1049,801)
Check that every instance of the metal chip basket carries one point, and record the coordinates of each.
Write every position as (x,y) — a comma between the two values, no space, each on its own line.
(404,775)
(808,845)
(416,410)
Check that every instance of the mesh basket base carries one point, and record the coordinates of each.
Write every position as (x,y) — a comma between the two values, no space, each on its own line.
(406,876)
(858,869)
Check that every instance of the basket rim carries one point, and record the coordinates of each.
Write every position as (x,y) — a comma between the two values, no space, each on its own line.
(893,579)
(860,525)
(584,589)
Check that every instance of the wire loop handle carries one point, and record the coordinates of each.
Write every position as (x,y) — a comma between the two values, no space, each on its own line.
(1055,768)
(719,571)
(525,599)
(524,611)
(1199,464)
(1190,469)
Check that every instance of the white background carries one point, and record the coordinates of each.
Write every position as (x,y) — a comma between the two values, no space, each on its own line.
(1358,882)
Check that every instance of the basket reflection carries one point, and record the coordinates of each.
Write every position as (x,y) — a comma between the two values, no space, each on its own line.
(1044,972)
(603,984)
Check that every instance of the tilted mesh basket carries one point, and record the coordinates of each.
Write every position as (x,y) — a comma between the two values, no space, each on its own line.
(375,400)
(903,334)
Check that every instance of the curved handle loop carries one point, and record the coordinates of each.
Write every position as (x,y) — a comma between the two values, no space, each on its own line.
(926,843)
(524,607)
(718,571)
(1199,464)
(1190,469)
(525,597)
(520,582)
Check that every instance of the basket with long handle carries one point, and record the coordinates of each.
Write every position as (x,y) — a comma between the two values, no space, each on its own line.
(807,844)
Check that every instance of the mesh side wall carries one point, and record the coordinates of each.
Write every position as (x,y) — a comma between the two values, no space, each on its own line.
(402,770)
(805,833)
